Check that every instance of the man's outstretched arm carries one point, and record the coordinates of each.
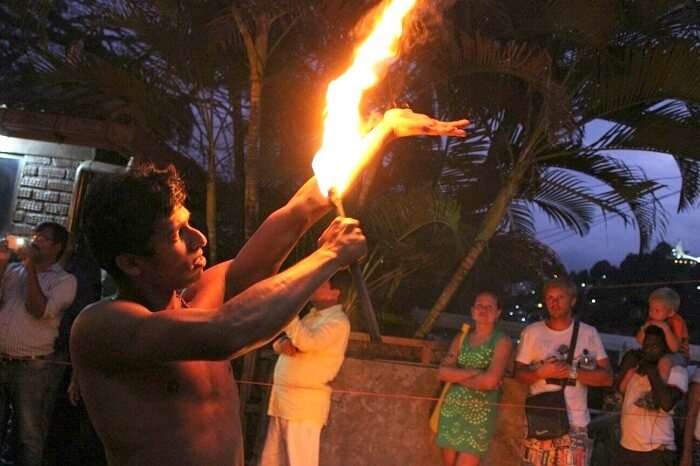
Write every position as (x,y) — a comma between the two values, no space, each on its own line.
(114,333)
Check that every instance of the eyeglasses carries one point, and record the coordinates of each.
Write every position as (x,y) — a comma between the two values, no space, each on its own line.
(42,236)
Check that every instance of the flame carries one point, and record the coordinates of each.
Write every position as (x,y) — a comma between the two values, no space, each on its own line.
(342,153)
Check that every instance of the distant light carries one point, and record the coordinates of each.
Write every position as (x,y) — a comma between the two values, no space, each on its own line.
(556,276)
(539,305)
(522,319)
(532,292)
(583,285)
(697,287)
(510,313)
(517,306)
(604,276)
(593,301)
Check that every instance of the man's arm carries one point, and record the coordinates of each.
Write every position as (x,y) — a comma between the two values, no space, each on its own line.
(549,370)
(672,340)
(305,338)
(601,376)
(61,295)
(665,396)
(35,300)
(121,332)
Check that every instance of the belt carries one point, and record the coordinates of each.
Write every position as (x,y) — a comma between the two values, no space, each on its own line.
(8,357)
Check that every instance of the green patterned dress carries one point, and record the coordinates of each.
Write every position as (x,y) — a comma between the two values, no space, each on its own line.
(468,416)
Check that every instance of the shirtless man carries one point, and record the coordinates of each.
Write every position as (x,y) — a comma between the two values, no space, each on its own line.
(152,362)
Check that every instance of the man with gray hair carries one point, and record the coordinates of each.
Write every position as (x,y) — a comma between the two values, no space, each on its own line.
(541,363)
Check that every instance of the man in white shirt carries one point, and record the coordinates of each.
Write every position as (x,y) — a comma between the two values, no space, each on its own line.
(311,353)
(651,390)
(541,364)
(33,295)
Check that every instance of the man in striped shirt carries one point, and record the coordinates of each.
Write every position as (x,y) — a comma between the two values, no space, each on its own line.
(33,295)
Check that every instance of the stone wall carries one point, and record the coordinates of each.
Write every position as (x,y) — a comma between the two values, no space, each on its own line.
(45,186)
(391,427)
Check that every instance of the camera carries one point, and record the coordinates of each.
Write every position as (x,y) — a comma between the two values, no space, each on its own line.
(12,242)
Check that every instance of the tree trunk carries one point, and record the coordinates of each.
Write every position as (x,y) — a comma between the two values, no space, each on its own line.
(238,170)
(256,51)
(257,54)
(211,201)
(489,227)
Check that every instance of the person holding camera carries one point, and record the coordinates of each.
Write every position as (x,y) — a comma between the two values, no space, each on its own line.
(33,295)
(650,390)
(559,358)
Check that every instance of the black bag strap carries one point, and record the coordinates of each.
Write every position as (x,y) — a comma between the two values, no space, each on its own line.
(572,344)
(572,349)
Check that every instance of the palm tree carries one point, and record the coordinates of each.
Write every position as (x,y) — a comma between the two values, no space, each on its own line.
(536,74)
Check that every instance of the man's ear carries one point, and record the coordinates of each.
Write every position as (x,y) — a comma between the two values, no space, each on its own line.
(129,264)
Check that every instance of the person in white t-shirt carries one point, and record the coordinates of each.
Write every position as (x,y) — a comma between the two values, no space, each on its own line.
(691,435)
(651,390)
(541,363)
(311,351)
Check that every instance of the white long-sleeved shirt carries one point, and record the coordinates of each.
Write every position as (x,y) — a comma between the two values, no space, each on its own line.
(300,390)
(22,334)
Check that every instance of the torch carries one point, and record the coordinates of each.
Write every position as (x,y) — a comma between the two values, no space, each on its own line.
(346,148)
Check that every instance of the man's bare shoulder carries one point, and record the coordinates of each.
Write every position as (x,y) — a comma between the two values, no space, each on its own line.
(102,327)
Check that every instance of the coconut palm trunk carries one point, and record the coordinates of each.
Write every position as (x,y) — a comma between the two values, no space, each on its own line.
(488,229)
(256,45)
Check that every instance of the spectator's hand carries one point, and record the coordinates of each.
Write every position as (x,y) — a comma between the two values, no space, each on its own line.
(345,239)
(287,348)
(553,370)
(28,255)
(659,323)
(646,366)
(74,392)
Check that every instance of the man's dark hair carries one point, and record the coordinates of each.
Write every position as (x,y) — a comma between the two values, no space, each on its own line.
(58,232)
(654,330)
(121,211)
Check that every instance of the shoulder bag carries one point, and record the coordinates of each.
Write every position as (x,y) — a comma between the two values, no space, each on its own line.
(546,412)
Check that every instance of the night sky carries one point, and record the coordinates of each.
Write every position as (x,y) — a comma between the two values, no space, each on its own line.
(611,240)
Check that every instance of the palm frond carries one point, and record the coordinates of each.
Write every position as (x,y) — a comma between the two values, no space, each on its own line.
(640,78)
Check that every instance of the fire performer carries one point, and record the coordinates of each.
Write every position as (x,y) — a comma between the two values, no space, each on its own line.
(153,361)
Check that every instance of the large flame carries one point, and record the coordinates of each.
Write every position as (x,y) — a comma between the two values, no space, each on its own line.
(342,153)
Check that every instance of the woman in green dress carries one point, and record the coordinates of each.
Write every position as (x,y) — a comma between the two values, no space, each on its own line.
(475,368)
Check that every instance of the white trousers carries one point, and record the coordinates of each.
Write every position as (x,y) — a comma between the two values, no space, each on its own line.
(291,443)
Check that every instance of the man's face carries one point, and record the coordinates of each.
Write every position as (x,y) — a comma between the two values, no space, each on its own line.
(559,302)
(659,310)
(44,246)
(178,260)
(654,346)
(325,296)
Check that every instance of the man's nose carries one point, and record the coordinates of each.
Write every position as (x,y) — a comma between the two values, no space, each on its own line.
(196,239)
